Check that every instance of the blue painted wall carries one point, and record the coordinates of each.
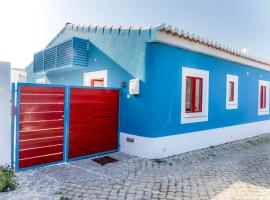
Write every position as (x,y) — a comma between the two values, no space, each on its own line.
(156,111)
(164,72)
(123,55)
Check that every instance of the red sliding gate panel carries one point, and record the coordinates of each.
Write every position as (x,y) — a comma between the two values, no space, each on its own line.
(93,124)
(41,125)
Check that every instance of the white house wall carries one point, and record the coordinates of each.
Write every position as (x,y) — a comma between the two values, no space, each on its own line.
(5,114)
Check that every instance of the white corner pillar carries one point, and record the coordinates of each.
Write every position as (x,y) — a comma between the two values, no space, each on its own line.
(5,114)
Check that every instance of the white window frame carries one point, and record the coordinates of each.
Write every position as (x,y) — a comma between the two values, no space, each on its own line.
(41,80)
(88,76)
(263,111)
(198,116)
(232,104)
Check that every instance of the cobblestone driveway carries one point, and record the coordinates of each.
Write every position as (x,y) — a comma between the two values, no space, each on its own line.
(239,170)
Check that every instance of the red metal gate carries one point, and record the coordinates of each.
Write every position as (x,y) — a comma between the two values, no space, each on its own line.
(40,125)
(62,123)
(93,126)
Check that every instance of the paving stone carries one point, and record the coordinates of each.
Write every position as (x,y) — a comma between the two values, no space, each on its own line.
(237,170)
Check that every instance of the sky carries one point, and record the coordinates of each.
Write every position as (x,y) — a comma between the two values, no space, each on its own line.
(28,26)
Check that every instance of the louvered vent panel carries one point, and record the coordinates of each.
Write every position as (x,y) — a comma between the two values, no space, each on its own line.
(70,54)
(64,54)
(38,62)
(80,48)
(50,58)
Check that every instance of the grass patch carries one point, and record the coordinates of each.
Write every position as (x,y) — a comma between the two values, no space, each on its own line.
(159,161)
(64,198)
(7,179)
(260,140)
(253,142)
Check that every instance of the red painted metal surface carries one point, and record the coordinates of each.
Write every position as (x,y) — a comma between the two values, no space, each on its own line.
(93,121)
(194,101)
(231,93)
(263,97)
(41,131)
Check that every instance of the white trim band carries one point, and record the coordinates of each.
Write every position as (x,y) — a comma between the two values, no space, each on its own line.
(171,145)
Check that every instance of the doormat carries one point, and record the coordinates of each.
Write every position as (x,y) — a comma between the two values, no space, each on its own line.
(105,160)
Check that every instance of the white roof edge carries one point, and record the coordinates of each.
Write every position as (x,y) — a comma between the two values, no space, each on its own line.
(169,30)
(184,43)
(181,35)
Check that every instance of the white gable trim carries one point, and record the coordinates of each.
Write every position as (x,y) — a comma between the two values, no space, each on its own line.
(179,42)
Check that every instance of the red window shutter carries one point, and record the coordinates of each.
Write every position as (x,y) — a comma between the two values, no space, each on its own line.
(231,92)
(194,90)
(193,94)
(198,89)
(262,96)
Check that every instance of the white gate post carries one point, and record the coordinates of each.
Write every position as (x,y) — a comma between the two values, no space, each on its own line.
(5,114)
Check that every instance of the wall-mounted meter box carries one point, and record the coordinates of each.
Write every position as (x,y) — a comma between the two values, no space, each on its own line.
(134,87)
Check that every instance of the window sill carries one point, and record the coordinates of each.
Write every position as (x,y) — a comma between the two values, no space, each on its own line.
(263,112)
(231,106)
(195,117)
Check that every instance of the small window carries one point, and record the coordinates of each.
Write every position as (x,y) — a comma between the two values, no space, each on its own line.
(232,92)
(263,97)
(97,82)
(96,78)
(193,94)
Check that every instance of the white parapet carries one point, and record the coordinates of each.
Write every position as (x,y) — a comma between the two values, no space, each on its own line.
(161,147)
(5,114)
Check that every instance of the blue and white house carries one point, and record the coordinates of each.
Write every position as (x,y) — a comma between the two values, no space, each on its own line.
(180,92)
